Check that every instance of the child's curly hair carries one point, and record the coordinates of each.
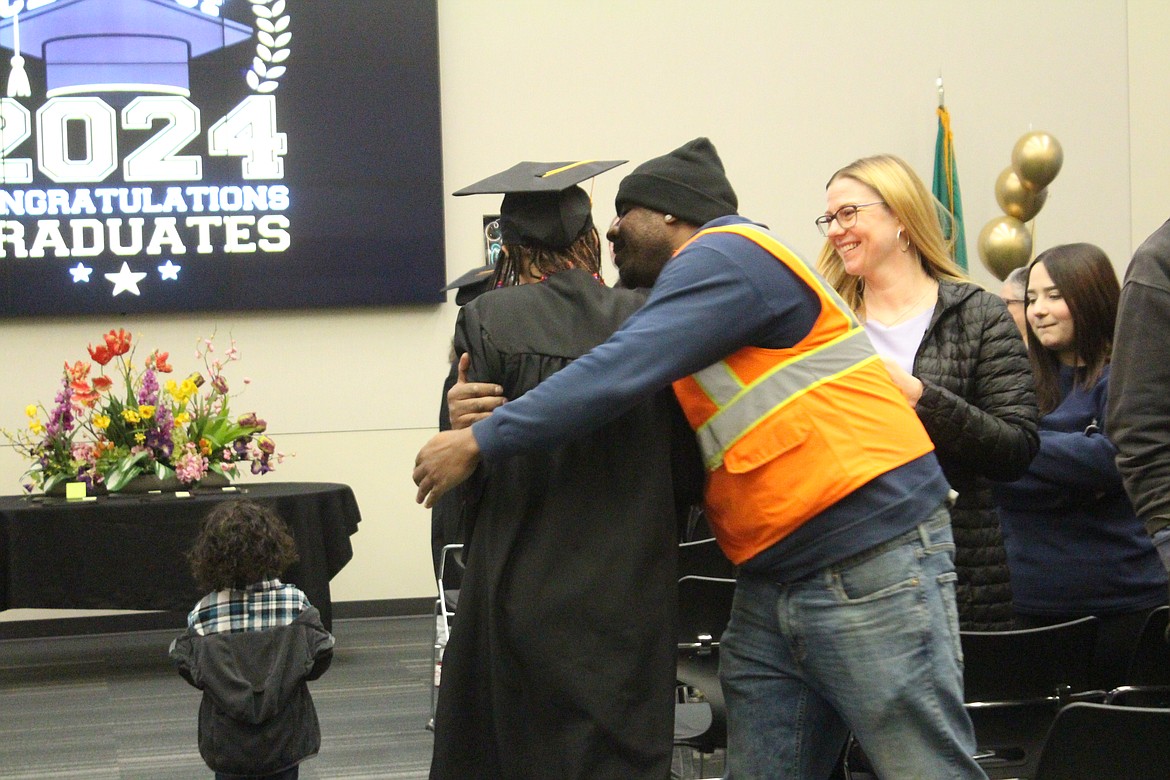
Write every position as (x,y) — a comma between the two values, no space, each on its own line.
(240,544)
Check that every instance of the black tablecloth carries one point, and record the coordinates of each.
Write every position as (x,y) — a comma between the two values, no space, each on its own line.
(128,552)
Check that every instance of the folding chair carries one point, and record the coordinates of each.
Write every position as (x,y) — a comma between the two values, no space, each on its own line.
(1014,684)
(444,611)
(1089,741)
(1147,682)
(700,712)
(704,558)
(1150,664)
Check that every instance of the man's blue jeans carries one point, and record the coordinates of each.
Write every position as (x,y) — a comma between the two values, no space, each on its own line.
(869,645)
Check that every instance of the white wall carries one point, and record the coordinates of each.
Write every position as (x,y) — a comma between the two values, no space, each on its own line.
(789,92)
(1149,116)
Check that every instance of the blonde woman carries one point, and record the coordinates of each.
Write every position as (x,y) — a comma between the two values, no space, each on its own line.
(952,348)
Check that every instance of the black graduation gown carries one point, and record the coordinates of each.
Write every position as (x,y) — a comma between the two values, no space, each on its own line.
(562,653)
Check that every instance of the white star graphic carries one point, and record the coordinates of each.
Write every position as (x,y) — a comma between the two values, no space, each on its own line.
(80,273)
(169,270)
(125,280)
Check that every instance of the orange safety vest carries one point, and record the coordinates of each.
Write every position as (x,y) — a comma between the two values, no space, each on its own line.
(787,433)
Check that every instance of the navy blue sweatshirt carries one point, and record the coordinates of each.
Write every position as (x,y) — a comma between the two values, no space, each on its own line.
(1074,544)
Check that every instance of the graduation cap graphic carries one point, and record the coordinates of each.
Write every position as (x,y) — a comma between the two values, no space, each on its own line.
(113,45)
(542,202)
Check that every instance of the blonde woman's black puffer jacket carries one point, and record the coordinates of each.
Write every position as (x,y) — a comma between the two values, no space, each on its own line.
(979,407)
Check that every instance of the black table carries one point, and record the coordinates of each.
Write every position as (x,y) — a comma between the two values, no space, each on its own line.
(128,552)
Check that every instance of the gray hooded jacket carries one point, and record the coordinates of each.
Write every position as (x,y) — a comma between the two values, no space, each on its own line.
(257,716)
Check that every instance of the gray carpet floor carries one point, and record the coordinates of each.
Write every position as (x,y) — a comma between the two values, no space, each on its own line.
(111,706)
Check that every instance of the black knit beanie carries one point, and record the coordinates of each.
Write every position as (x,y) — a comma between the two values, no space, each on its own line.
(688,183)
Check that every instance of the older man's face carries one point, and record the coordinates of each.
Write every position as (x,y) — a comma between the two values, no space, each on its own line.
(1015,304)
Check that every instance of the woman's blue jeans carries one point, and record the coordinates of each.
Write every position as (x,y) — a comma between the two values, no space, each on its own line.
(869,645)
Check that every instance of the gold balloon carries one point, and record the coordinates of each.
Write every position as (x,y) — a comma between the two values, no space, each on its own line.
(1015,199)
(1036,159)
(1004,245)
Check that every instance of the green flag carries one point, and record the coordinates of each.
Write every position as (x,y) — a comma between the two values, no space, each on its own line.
(946,187)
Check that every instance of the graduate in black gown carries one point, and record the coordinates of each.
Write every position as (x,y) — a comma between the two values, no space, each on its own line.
(561,658)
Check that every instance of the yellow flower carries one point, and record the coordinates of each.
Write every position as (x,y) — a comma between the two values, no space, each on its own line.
(140,437)
(31,410)
(131,416)
(146,412)
(182,418)
(101,421)
(182,392)
(36,426)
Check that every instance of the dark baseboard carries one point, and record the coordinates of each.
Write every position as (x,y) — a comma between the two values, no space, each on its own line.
(349,610)
(152,621)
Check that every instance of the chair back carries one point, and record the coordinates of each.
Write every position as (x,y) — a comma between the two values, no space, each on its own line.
(1150,664)
(1106,741)
(450,562)
(1034,663)
(704,609)
(704,558)
(1014,683)
(1140,696)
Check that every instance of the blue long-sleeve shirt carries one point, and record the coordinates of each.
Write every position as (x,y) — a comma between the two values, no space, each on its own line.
(719,294)
(710,300)
(1074,544)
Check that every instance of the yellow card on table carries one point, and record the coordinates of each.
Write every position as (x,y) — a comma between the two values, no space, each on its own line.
(74,490)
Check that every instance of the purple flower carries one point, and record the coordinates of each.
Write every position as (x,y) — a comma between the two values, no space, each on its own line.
(160,443)
(148,393)
(61,418)
(165,421)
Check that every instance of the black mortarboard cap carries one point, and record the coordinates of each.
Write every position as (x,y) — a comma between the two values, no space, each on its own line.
(542,204)
(119,45)
(473,283)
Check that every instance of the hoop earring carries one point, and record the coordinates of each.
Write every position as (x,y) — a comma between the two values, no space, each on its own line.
(905,248)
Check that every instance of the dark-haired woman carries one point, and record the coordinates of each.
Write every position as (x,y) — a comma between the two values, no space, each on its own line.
(1074,544)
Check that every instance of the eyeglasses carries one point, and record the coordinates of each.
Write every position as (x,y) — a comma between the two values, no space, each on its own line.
(1010,301)
(846,216)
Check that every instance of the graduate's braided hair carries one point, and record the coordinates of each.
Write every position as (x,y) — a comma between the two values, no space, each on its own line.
(540,260)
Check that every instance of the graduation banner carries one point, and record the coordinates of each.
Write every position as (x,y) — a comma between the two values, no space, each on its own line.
(946,186)
(177,155)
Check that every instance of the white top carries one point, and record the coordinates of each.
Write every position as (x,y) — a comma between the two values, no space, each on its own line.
(900,342)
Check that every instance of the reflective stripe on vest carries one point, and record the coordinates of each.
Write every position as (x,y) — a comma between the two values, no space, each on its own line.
(742,407)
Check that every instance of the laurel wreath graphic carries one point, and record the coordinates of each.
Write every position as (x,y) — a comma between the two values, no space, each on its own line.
(272,50)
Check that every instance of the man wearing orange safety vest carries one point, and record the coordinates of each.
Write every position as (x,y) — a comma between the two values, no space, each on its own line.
(822,485)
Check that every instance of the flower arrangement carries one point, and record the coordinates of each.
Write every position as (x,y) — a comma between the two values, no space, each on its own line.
(107,427)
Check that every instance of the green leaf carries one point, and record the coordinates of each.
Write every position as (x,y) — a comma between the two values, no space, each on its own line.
(54,480)
(126,470)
